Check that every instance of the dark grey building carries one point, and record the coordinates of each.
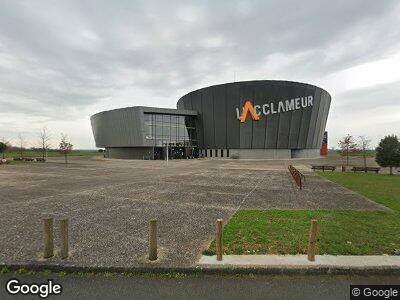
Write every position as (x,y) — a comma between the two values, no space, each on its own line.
(251,119)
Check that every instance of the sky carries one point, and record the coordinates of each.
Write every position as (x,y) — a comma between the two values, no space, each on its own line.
(62,61)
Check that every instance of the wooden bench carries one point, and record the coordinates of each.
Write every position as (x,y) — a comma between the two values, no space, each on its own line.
(367,169)
(323,168)
(40,159)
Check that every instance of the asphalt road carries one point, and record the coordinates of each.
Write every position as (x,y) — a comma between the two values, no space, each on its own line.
(201,286)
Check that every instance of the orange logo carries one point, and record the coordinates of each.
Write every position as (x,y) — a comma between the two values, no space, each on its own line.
(248,108)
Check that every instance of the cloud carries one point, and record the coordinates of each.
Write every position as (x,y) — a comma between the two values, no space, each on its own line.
(371,111)
(64,60)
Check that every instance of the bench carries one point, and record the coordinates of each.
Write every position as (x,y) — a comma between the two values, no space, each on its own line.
(323,168)
(366,169)
(28,159)
(40,159)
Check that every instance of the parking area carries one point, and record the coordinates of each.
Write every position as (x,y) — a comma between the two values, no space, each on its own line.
(110,203)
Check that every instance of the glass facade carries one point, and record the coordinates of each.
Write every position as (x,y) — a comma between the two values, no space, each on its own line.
(174,130)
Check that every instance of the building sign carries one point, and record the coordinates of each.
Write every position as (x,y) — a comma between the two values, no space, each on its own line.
(272,108)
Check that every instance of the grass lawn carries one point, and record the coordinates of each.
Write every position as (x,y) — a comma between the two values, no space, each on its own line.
(339,232)
(384,189)
(52,153)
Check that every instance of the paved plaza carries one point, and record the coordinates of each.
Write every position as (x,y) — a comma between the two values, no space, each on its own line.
(110,203)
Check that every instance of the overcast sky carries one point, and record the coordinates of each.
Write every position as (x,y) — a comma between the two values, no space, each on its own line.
(62,61)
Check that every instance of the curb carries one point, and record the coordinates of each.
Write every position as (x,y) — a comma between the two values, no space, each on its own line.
(212,269)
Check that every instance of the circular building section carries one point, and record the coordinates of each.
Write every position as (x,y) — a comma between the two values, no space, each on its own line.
(259,119)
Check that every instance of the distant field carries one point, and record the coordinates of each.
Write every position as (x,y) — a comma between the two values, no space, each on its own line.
(369,153)
(340,232)
(52,153)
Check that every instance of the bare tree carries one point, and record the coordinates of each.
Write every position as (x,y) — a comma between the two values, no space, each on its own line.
(347,145)
(44,138)
(21,144)
(65,146)
(363,144)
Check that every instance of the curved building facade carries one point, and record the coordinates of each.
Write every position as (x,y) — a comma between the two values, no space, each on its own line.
(251,119)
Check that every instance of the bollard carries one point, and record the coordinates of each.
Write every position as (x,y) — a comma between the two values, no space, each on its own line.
(153,240)
(48,244)
(218,241)
(343,168)
(313,240)
(64,231)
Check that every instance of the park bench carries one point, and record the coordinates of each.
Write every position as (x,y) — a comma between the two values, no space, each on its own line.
(366,169)
(18,158)
(323,168)
(28,159)
(40,159)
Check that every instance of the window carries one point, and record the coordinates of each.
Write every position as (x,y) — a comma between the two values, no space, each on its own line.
(159,119)
(210,152)
(171,129)
(227,152)
(216,153)
(222,152)
(166,119)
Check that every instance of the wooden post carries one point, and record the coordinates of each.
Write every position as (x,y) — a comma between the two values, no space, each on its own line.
(48,244)
(313,240)
(218,241)
(64,231)
(153,240)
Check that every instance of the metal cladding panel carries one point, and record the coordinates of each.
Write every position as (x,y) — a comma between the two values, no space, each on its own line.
(284,118)
(305,124)
(232,123)
(300,128)
(320,133)
(246,128)
(314,119)
(297,116)
(208,118)
(259,127)
(219,117)
(196,105)
(272,121)
(118,128)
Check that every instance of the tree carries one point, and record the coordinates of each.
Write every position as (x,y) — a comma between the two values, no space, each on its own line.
(21,143)
(44,138)
(363,144)
(388,152)
(65,146)
(3,148)
(5,145)
(347,145)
